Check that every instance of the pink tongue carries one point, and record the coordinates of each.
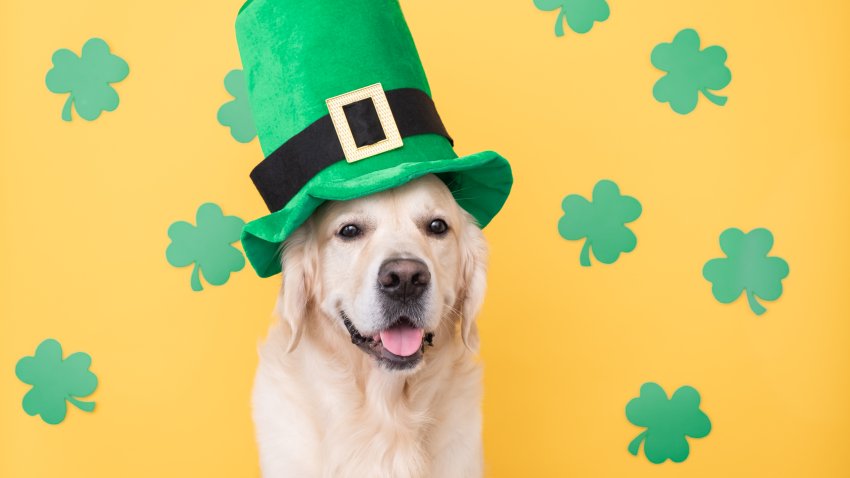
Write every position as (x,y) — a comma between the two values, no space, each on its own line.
(402,340)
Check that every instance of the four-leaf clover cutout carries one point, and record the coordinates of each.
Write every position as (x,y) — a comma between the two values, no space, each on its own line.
(55,381)
(602,222)
(207,245)
(668,422)
(747,267)
(87,78)
(236,114)
(690,71)
(580,15)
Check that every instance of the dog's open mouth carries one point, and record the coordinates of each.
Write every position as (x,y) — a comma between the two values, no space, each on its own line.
(399,346)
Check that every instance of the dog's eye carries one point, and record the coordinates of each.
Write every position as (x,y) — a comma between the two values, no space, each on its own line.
(438,227)
(349,231)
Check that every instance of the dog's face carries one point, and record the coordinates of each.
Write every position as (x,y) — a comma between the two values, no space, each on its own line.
(388,270)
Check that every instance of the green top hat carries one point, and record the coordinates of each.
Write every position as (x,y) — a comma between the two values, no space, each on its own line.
(343,110)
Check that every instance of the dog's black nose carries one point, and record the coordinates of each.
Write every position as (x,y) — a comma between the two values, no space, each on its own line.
(403,279)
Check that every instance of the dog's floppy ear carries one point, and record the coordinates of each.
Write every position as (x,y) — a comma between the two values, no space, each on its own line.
(474,276)
(299,261)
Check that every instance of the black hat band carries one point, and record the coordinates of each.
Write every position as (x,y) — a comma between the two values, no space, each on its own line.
(285,171)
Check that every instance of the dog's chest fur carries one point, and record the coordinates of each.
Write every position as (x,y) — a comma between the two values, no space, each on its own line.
(325,410)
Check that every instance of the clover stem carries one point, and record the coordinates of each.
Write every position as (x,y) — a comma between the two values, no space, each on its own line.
(754,304)
(718,100)
(196,279)
(84,406)
(559,24)
(634,446)
(66,110)
(584,258)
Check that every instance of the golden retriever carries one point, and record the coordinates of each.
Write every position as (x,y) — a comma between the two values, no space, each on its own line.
(370,371)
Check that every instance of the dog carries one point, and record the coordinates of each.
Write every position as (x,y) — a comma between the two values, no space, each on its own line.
(371,370)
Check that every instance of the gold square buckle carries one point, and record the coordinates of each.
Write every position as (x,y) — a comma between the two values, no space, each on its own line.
(392,138)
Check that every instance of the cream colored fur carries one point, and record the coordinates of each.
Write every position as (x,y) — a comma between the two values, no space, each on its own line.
(324,408)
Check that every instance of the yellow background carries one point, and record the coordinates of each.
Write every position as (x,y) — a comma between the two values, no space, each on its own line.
(86,205)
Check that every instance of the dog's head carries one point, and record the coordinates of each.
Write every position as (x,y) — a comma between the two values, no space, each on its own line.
(388,270)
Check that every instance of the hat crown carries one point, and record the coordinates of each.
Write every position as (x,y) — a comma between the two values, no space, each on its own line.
(298,53)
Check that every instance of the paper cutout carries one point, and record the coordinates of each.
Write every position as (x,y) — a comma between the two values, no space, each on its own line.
(580,15)
(236,114)
(747,267)
(690,72)
(602,222)
(667,422)
(55,381)
(87,78)
(207,245)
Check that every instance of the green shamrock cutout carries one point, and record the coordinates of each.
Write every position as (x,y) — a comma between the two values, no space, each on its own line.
(237,113)
(602,222)
(55,381)
(87,78)
(207,245)
(580,15)
(747,267)
(667,422)
(690,71)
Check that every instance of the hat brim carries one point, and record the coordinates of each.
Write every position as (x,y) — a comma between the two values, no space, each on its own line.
(480,182)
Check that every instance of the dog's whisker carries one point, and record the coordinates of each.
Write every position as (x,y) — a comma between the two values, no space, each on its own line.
(454,311)
(464,198)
